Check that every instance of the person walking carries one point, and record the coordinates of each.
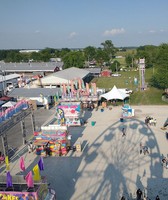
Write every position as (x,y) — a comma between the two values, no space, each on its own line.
(123,132)
(139,194)
(141,147)
(31,147)
(157,198)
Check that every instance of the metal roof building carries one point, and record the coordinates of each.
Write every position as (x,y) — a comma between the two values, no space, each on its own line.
(65,76)
(9,77)
(33,92)
(94,71)
(31,67)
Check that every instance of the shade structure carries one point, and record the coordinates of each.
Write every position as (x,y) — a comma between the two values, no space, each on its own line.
(114,93)
(9,104)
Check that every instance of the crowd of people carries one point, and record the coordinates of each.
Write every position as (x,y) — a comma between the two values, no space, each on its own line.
(165,162)
(143,149)
(150,121)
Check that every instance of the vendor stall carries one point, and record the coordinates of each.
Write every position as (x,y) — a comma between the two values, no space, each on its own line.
(71,112)
(127,111)
(52,140)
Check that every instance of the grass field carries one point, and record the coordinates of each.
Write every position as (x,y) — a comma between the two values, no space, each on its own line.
(151,96)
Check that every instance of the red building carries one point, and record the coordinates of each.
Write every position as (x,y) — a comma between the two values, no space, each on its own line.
(106,73)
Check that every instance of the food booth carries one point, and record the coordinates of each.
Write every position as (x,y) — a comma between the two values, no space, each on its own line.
(53,136)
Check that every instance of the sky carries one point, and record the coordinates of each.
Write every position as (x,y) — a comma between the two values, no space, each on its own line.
(38,24)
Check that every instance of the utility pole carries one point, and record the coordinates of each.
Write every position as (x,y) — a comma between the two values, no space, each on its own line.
(132,63)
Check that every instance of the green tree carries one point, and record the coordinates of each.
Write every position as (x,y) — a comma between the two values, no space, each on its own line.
(74,59)
(109,48)
(64,51)
(36,56)
(128,60)
(90,53)
(150,53)
(159,79)
(101,56)
(13,56)
(115,66)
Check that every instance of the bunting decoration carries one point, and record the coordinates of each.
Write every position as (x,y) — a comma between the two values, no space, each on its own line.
(29,179)
(41,164)
(7,163)
(22,165)
(36,172)
(8,180)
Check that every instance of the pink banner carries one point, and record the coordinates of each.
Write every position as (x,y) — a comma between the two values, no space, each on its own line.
(4,195)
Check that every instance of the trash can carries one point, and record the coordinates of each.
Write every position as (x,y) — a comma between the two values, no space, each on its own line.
(93,123)
(121,119)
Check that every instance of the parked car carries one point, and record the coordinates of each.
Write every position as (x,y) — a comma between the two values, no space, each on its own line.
(116,75)
(126,90)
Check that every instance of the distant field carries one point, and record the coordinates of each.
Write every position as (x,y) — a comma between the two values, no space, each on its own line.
(124,54)
(151,96)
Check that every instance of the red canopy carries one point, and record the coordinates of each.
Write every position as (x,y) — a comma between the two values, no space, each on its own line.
(5,98)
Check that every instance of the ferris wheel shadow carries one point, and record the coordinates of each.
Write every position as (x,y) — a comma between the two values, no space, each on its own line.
(113,182)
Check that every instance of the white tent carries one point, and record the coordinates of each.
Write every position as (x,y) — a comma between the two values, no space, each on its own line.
(9,104)
(114,93)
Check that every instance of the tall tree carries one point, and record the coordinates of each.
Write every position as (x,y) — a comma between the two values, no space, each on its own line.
(90,53)
(109,48)
(149,52)
(101,56)
(160,78)
(73,59)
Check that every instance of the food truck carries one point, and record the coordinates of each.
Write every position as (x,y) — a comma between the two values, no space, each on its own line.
(20,190)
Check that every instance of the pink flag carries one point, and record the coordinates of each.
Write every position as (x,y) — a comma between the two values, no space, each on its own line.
(29,179)
(22,165)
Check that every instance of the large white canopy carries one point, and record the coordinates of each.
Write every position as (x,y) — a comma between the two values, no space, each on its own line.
(9,104)
(114,93)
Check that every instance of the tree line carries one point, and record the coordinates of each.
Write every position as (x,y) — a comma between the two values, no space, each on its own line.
(155,57)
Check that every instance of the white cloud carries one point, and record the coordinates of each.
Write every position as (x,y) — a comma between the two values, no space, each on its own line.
(37,31)
(114,31)
(72,35)
(152,31)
